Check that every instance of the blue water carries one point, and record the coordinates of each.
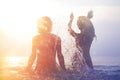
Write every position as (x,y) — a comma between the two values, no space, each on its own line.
(10,70)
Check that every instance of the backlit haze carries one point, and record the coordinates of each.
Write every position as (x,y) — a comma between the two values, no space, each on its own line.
(18,25)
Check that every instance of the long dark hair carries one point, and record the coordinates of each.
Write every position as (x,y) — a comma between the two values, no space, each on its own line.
(86,26)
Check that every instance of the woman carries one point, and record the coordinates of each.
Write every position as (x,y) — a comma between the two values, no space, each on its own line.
(45,47)
(85,37)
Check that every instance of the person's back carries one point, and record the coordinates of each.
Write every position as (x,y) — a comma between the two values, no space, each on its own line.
(46,46)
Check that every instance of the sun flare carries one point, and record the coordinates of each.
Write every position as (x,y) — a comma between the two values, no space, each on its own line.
(14,61)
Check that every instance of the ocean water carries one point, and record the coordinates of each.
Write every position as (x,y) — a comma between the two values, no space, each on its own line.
(12,68)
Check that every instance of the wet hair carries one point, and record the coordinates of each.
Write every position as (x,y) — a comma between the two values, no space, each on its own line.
(85,25)
(46,21)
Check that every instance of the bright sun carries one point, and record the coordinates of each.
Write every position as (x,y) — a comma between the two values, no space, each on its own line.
(20,20)
(16,61)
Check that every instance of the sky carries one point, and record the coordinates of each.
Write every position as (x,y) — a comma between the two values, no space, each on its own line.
(18,25)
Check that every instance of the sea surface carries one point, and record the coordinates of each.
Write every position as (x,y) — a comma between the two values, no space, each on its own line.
(13,68)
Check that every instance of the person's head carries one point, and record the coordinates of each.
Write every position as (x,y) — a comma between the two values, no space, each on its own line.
(81,22)
(44,24)
(85,25)
(84,22)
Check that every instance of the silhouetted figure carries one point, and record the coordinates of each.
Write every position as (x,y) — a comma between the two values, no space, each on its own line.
(85,37)
(45,47)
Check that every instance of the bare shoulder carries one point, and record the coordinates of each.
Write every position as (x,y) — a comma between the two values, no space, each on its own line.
(36,38)
(56,37)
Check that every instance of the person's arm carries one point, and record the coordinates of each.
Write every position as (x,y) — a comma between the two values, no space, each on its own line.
(59,55)
(71,31)
(32,56)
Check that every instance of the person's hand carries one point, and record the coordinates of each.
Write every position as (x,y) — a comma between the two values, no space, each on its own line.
(63,68)
(71,16)
(29,70)
(71,19)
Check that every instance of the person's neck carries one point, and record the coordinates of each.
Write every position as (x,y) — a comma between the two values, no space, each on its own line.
(45,33)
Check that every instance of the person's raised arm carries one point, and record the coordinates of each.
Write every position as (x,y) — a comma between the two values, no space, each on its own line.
(59,54)
(71,31)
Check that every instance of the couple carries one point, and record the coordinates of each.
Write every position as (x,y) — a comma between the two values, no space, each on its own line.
(46,46)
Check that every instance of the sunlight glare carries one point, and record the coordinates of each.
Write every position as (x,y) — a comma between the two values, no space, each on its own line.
(14,61)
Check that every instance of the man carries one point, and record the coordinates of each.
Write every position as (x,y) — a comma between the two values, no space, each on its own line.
(45,47)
